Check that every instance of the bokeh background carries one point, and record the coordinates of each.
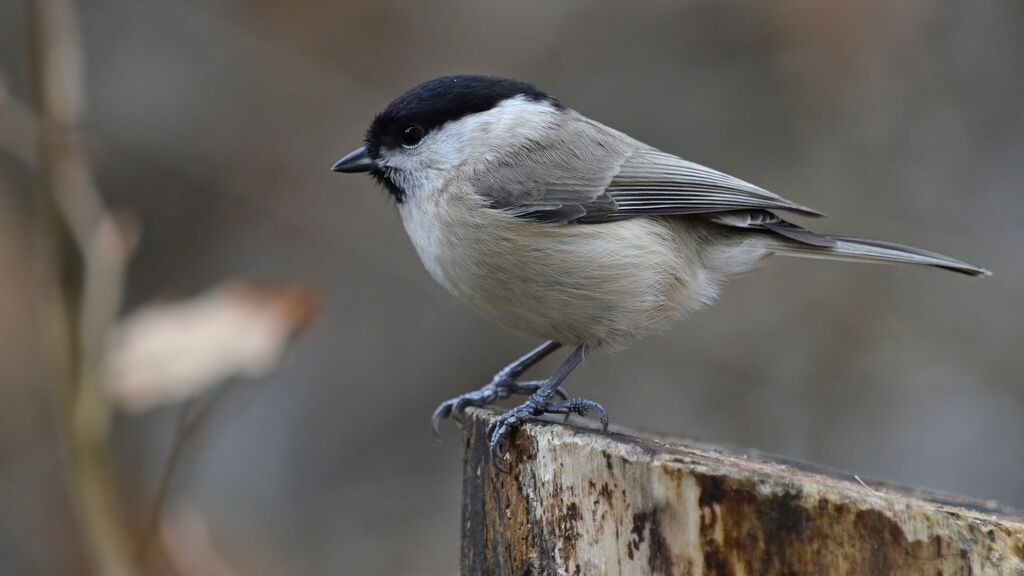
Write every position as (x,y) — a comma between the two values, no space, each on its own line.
(215,122)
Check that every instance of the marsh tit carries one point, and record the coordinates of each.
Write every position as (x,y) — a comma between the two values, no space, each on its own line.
(563,228)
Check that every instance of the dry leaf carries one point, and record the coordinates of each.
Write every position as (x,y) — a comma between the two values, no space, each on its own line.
(168,352)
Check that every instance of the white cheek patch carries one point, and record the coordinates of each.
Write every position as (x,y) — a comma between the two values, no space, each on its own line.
(411,170)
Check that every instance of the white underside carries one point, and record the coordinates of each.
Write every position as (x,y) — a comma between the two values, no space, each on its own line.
(603,285)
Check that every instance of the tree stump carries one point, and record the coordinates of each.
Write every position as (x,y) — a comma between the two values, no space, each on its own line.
(581,501)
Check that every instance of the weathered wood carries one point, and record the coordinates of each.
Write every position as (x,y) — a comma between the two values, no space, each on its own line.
(579,501)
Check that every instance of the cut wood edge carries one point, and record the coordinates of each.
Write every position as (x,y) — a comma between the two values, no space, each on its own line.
(578,500)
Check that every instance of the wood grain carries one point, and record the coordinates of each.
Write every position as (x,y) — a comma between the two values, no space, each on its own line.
(581,501)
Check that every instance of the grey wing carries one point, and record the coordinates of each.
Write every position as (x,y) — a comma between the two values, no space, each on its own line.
(587,173)
(652,182)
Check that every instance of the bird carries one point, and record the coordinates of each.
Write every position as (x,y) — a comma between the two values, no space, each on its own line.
(565,229)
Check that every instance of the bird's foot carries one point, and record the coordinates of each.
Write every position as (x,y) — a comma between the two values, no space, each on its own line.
(503,425)
(498,389)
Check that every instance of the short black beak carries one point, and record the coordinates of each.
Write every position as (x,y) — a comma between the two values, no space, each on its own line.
(354,162)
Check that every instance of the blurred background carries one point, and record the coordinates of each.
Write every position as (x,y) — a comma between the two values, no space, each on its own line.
(213,125)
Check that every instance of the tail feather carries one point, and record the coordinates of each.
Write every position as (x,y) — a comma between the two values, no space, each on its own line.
(861,250)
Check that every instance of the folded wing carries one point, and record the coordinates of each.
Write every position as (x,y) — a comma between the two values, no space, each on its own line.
(588,173)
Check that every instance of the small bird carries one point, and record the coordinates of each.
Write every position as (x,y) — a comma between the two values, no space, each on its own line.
(558,226)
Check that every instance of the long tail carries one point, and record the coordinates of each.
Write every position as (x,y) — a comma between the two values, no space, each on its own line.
(860,250)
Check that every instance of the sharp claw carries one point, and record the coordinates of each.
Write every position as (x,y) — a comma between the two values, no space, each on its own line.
(588,405)
(495,446)
(440,413)
(498,431)
(603,414)
(454,408)
(460,405)
(497,460)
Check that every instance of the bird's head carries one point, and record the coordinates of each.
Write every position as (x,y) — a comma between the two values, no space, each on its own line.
(439,125)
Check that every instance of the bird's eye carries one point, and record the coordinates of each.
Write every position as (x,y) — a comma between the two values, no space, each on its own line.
(412,135)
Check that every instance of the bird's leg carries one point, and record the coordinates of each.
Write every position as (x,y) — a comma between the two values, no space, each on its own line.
(501,386)
(541,403)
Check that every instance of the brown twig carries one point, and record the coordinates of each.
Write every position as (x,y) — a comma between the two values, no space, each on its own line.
(83,293)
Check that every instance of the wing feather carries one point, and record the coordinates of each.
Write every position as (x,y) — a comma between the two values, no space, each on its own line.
(582,171)
(651,180)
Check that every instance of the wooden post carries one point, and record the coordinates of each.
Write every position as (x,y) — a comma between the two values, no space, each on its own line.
(580,501)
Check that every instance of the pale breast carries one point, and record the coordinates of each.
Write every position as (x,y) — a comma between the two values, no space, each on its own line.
(604,284)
